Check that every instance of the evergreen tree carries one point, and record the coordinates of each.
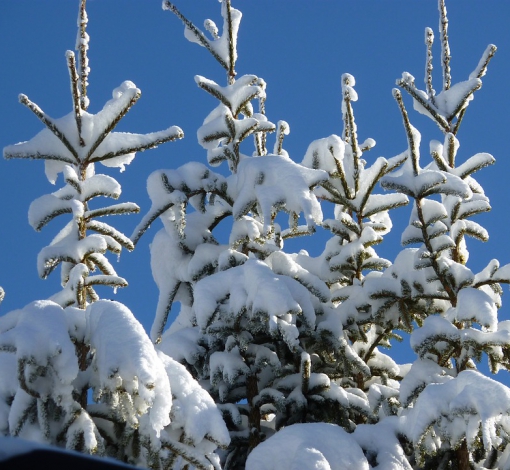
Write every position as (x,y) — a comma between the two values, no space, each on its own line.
(455,309)
(287,338)
(436,414)
(244,304)
(78,371)
(275,359)
(267,329)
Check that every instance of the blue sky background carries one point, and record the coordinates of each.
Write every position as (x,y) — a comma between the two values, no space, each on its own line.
(299,47)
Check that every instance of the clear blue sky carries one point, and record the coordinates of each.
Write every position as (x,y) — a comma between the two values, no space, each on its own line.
(299,47)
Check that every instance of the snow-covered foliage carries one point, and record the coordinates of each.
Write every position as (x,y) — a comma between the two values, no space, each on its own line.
(80,372)
(275,359)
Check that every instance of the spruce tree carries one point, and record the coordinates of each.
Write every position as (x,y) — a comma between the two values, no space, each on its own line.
(268,330)
(441,412)
(455,309)
(77,371)
(249,312)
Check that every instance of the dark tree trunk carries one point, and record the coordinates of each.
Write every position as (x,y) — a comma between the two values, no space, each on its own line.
(252,391)
(462,457)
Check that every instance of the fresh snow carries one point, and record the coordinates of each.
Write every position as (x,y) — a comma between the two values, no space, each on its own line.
(318,446)
(112,332)
(273,181)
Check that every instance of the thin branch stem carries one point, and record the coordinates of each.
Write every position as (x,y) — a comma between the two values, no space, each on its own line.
(84,60)
(73,75)
(38,156)
(352,138)
(450,150)
(377,341)
(429,41)
(479,72)
(445,47)
(481,69)
(409,131)
(280,135)
(139,148)
(231,73)
(440,120)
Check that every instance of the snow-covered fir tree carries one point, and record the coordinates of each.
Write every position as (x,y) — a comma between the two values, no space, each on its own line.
(81,372)
(276,359)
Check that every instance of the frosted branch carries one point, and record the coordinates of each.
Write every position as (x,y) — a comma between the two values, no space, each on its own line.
(147,141)
(48,122)
(105,229)
(409,131)
(451,149)
(350,131)
(83,46)
(445,47)
(112,124)
(231,44)
(199,35)
(481,68)
(100,261)
(261,137)
(160,320)
(338,198)
(106,280)
(479,72)
(281,132)
(73,75)
(37,156)
(146,222)
(429,40)
(413,91)
(476,85)
(116,209)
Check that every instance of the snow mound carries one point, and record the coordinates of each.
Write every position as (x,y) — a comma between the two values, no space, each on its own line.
(318,446)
